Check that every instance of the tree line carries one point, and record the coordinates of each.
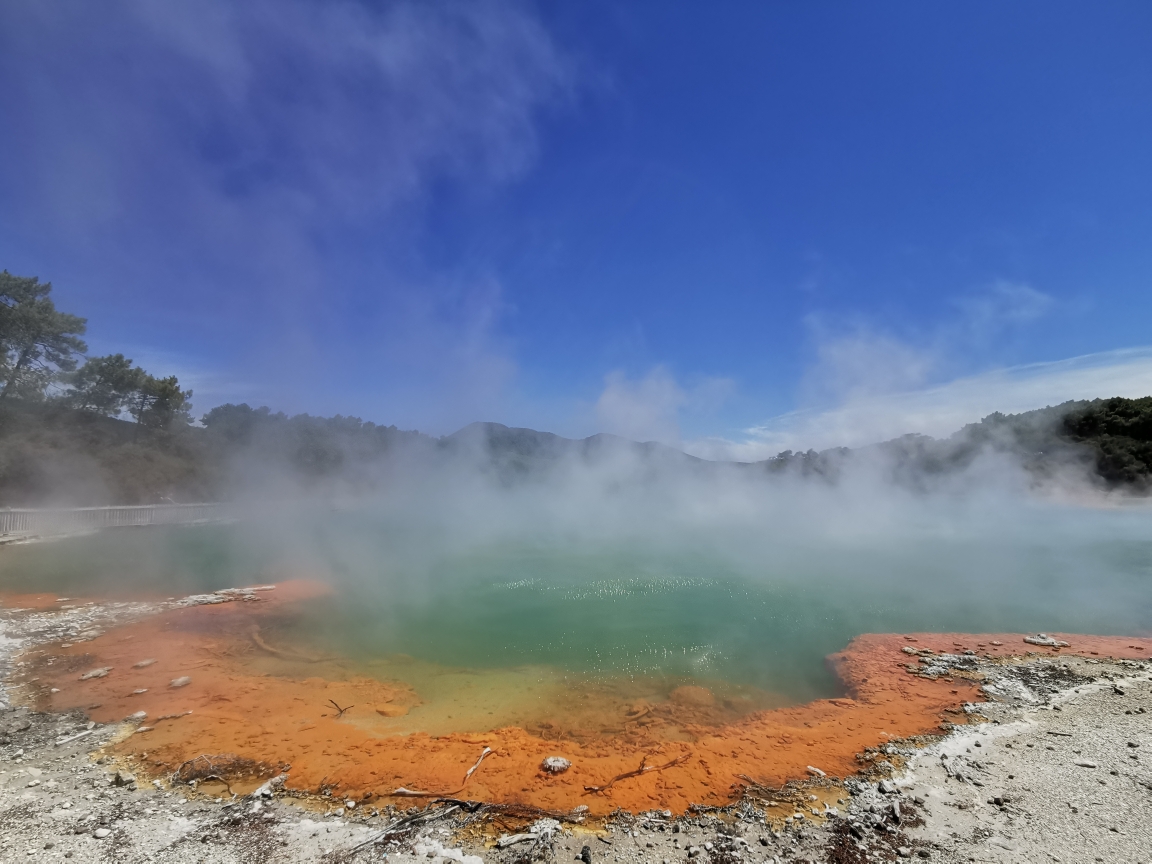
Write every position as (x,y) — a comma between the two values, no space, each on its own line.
(41,349)
(63,437)
(85,430)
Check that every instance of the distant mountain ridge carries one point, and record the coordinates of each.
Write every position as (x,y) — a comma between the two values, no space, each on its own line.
(1108,441)
(520,450)
(51,454)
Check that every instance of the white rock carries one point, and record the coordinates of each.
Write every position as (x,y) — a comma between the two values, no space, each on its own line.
(555,764)
(544,827)
(269,788)
(427,847)
(182,681)
(101,833)
(1045,640)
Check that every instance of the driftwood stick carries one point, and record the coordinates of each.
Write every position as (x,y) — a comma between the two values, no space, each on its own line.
(172,716)
(217,777)
(400,823)
(487,750)
(192,761)
(756,784)
(643,769)
(287,655)
(402,792)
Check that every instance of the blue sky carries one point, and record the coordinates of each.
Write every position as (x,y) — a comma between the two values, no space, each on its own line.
(733,227)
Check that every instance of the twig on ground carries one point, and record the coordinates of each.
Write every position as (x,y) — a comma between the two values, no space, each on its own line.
(219,779)
(402,792)
(643,769)
(75,737)
(487,750)
(339,711)
(287,655)
(192,761)
(172,716)
(401,823)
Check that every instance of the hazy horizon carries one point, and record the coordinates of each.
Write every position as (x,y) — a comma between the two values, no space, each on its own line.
(740,231)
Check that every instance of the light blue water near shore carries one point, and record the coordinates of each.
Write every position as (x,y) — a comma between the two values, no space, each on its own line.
(760,608)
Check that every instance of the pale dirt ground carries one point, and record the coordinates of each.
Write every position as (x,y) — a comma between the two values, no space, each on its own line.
(1005,788)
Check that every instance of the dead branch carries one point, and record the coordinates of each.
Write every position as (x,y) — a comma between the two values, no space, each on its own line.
(172,716)
(220,779)
(192,761)
(754,785)
(487,750)
(287,655)
(404,823)
(339,711)
(401,792)
(643,769)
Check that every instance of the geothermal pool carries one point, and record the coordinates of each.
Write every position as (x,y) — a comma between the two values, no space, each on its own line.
(759,615)
(620,645)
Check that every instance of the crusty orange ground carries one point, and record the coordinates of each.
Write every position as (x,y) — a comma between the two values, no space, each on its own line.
(272,704)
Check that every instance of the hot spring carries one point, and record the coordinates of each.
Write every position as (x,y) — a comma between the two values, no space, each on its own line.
(757,615)
(628,630)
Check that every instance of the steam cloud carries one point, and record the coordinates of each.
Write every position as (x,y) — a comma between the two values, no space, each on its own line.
(506,547)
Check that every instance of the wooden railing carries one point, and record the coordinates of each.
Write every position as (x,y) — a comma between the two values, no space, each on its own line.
(80,519)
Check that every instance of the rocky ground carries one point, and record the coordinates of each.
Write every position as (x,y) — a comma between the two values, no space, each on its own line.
(1054,768)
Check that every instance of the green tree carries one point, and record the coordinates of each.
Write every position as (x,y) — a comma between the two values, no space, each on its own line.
(105,385)
(37,343)
(160,403)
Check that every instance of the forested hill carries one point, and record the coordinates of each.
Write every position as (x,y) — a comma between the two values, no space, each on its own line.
(1119,433)
(1106,441)
(1109,440)
(54,454)
(66,437)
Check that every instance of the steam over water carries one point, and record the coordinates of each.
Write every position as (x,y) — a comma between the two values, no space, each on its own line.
(658,587)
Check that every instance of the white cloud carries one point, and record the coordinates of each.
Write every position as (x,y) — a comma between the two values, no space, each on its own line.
(306,110)
(257,172)
(649,409)
(1003,304)
(943,409)
(864,362)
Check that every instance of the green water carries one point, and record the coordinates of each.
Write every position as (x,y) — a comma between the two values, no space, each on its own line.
(759,609)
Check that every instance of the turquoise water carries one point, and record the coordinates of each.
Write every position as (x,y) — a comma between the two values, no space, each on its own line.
(749,607)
